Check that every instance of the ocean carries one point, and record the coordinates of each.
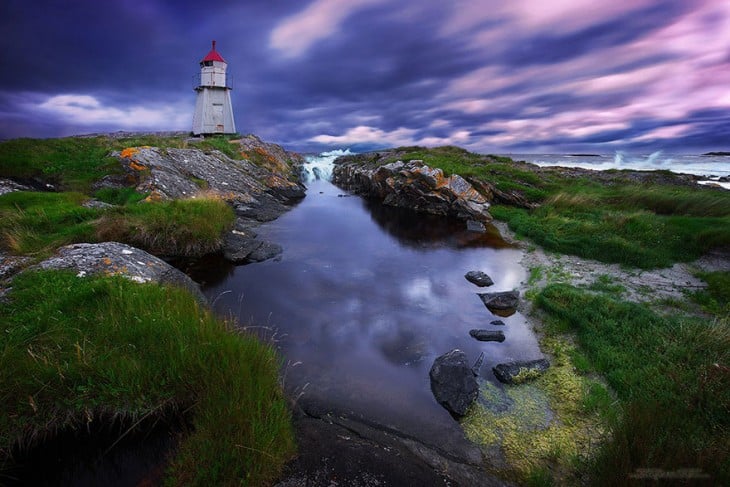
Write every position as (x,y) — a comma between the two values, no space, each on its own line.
(710,168)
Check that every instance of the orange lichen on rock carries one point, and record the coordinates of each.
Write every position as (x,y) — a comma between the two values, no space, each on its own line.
(129,152)
(137,166)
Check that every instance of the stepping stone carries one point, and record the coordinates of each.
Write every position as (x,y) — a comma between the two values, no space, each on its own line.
(479,278)
(488,335)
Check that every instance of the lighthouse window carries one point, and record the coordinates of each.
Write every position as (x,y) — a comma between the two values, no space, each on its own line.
(207,63)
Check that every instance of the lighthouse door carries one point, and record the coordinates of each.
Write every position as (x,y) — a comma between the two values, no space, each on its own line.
(218,117)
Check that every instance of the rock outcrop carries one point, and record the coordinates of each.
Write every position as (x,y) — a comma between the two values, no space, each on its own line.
(416,186)
(180,173)
(520,371)
(453,383)
(118,259)
(260,187)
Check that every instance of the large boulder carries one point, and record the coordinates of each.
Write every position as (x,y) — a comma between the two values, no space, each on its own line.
(118,259)
(453,383)
(520,371)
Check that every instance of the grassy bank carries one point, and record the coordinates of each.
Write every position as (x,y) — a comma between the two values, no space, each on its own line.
(37,223)
(73,163)
(671,376)
(96,348)
(646,225)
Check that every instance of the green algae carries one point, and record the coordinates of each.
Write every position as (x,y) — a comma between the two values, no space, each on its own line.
(541,426)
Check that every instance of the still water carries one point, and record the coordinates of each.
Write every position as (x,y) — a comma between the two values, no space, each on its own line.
(364,298)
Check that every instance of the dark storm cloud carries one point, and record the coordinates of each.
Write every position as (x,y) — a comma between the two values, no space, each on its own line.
(484,74)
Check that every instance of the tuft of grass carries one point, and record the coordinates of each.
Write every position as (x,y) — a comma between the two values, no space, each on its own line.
(98,349)
(716,298)
(605,283)
(37,223)
(119,196)
(191,227)
(671,376)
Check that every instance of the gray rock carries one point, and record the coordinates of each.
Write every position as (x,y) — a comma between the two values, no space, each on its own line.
(414,185)
(9,186)
(180,173)
(479,278)
(507,300)
(118,259)
(487,335)
(99,205)
(475,226)
(12,264)
(497,323)
(453,383)
(520,371)
(242,249)
(265,251)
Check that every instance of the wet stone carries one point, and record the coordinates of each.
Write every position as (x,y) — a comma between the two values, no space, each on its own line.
(453,383)
(500,301)
(479,278)
(487,335)
(520,371)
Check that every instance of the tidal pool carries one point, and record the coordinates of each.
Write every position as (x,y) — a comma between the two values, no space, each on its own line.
(362,301)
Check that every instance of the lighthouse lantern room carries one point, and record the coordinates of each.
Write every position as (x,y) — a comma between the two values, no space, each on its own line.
(213,109)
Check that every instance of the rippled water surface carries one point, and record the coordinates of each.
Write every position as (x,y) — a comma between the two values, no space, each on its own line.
(363,300)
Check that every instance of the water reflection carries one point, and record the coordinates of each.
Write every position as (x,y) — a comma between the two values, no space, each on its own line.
(422,230)
(365,298)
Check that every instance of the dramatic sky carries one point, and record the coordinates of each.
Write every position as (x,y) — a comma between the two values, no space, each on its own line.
(488,75)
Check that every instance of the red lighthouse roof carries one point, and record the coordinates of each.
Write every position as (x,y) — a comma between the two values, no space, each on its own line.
(213,56)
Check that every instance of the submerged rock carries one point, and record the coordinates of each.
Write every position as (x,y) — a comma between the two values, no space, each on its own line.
(243,249)
(520,371)
(502,301)
(453,383)
(118,259)
(475,226)
(479,278)
(487,335)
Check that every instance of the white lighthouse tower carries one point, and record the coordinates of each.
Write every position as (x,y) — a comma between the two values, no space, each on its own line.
(213,109)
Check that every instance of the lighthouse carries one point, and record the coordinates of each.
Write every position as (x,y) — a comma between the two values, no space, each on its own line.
(213,109)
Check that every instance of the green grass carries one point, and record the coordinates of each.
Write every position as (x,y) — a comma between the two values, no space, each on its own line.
(716,298)
(621,221)
(74,163)
(36,224)
(671,376)
(74,349)
(637,238)
(191,227)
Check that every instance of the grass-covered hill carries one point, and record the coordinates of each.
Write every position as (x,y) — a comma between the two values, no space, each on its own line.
(107,354)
